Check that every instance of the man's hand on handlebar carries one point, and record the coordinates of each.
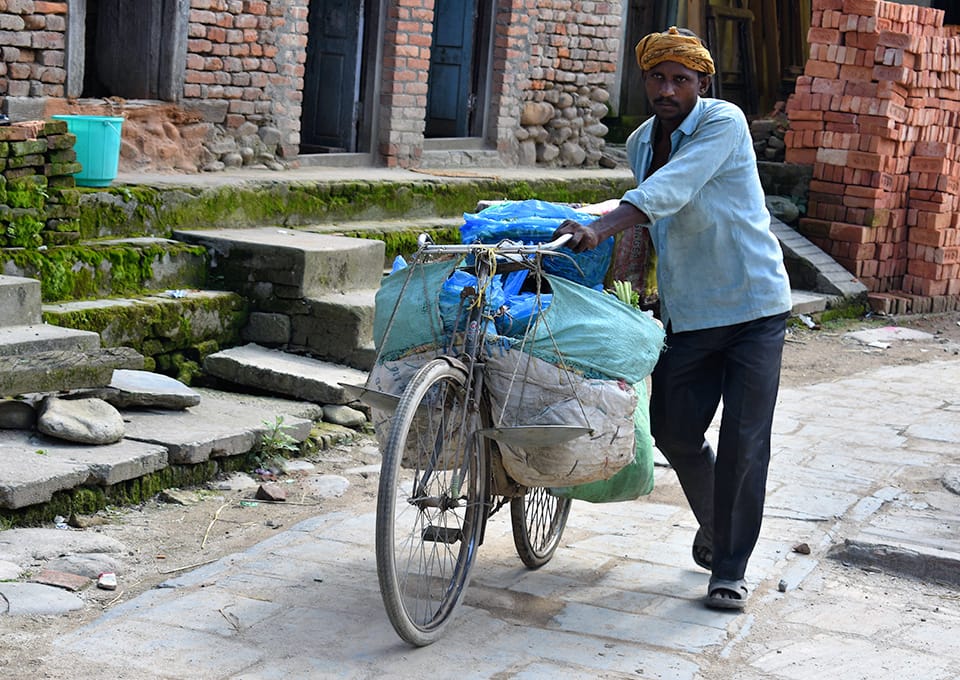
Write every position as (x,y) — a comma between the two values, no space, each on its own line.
(582,236)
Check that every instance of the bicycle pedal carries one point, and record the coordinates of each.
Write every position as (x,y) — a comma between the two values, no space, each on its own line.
(441,535)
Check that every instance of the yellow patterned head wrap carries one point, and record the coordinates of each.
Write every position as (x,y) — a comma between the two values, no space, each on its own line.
(674,46)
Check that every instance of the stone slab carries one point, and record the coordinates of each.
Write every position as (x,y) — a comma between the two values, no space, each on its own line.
(19,300)
(52,371)
(888,334)
(311,263)
(36,599)
(222,424)
(35,467)
(284,373)
(42,337)
(143,388)
(807,303)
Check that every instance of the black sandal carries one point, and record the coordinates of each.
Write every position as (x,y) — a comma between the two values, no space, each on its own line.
(702,551)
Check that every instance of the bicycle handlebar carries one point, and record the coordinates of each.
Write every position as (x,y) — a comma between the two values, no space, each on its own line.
(505,247)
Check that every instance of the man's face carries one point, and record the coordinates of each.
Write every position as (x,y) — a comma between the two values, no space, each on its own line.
(672,89)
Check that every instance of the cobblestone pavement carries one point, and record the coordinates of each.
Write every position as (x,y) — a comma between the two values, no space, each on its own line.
(857,474)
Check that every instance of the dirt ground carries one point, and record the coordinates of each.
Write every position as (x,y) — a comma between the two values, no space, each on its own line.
(165,539)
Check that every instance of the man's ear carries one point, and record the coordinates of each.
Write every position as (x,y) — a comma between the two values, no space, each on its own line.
(705,82)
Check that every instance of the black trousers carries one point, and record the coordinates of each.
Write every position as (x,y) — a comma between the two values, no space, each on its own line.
(739,365)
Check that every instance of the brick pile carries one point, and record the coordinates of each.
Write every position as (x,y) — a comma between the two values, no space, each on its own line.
(38,202)
(877,114)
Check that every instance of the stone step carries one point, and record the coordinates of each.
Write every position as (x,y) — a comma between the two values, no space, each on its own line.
(41,337)
(270,263)
(157,325)
(222,424)
(53,371)
(284,373)
(19,301)
(337,327)
(115,267)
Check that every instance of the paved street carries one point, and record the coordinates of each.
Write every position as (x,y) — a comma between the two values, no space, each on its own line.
(861,458)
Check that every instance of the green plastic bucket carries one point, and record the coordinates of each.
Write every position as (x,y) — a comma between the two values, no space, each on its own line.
(97,147)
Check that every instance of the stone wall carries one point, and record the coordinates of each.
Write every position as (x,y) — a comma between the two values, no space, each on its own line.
(574,55)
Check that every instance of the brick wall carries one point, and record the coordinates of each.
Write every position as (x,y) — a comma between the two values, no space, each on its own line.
(552,64)
(32,42)
(877,114)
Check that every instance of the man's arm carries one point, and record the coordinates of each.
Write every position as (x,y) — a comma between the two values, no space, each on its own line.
(589,236)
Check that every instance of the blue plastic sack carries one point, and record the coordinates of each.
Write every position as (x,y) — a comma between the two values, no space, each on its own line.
(520,311)
(534,222)
(450,298)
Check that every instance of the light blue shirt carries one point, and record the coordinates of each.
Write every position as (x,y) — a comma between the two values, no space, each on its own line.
(718,263)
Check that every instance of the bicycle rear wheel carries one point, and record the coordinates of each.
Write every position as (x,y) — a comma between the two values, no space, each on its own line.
(538,520)
(431,503)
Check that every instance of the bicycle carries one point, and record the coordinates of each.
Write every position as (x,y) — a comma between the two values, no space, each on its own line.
(440,480)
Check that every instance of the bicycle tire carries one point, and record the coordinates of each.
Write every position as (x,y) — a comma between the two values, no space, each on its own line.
(426,542)
(538,519)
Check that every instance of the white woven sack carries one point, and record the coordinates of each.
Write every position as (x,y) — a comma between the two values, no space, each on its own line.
(525,390)
(393,377)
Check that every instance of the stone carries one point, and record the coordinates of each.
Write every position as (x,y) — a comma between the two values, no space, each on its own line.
(35,599)
(527,153)
(87,565)
(783,208)
(951,481)
(17,415)
(547,153)
(271,492)
(328,486)
(267,328)
(85,421)
(343,415)
(179,497)
(130,388)
(61,579)
(238,481)
(536,113)
(9,571)
(572,154)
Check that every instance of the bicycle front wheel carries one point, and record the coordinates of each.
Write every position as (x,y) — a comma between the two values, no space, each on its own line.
(538,518)
(430,504)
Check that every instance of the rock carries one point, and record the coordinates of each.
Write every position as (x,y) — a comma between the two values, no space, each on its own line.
(25,546)
(536,113)
(344,416)
(17,415)
(85,421)
(85,521)
(35,599)
(572,154)
(179,497)
(130,388)
(290,467)
(783,208)
(271,492)
(238,481)
(9,571)
(328,486)
(951,481)
(547,153)
(61,579)
(86,565)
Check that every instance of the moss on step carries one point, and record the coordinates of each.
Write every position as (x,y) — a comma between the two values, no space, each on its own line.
(88,271)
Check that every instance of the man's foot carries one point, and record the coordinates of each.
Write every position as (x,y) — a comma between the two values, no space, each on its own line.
(702,551)
(723,594)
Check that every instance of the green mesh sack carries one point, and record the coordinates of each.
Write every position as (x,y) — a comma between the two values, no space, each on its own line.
(595,333)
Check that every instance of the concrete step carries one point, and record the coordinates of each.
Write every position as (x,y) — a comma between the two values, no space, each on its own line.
(222,424)
(41,337)
(92,269)
(336,327)
(283,373)
(271,263)
(53,371)
(156,324)
(19,301)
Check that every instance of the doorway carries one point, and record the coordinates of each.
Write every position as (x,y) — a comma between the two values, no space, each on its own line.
(459,62)
(133,49)
(340,51)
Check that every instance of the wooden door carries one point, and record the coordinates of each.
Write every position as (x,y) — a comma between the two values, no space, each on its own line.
(450,94)
(331,84)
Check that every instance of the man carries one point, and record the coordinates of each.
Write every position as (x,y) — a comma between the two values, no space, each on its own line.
(724,299)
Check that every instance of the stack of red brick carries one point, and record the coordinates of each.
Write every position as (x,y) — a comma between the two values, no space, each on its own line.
(877,114)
